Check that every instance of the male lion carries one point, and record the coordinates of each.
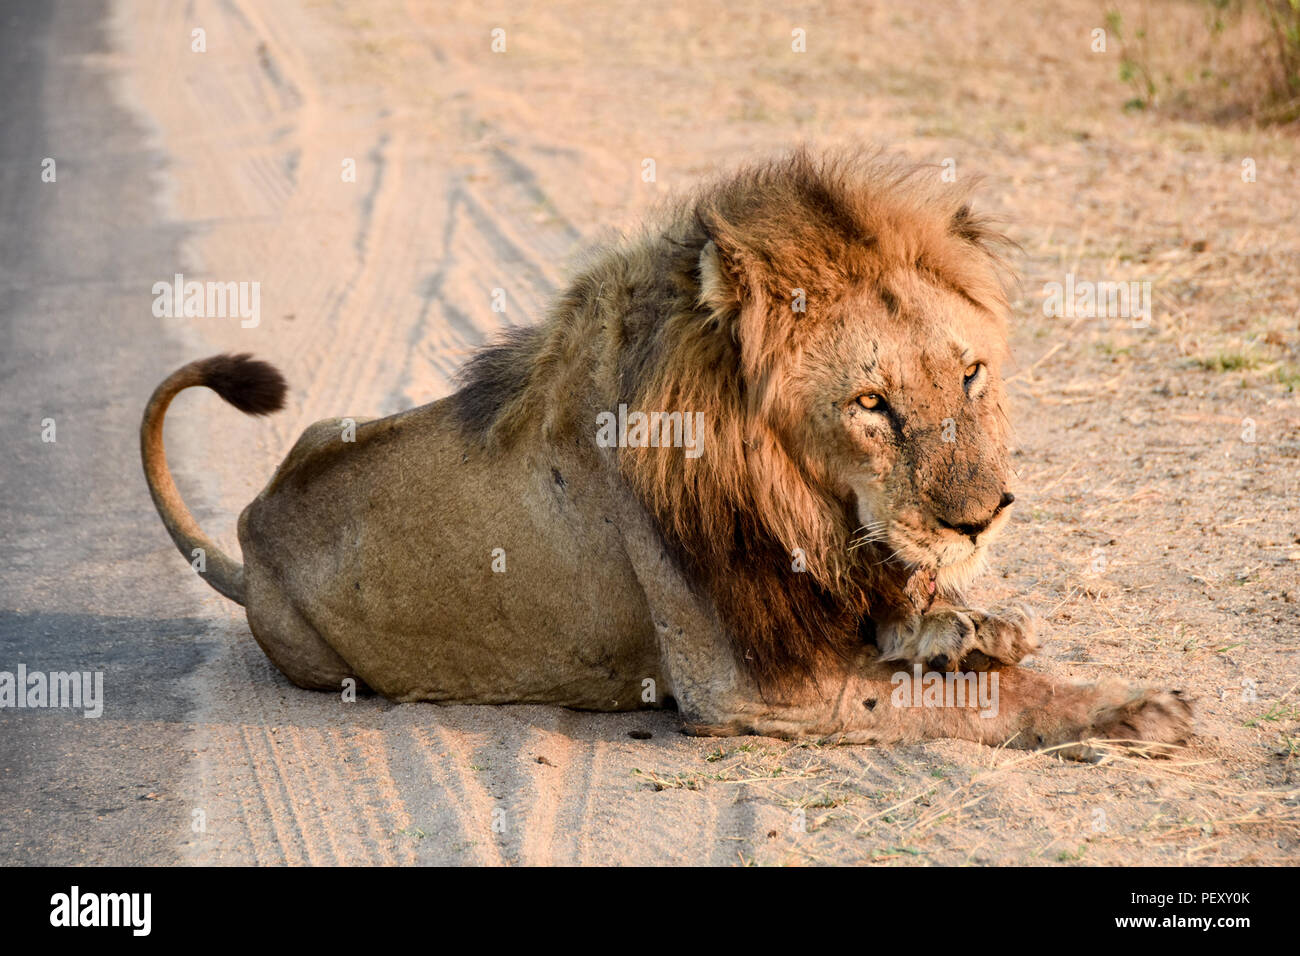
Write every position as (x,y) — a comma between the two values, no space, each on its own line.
(837,329)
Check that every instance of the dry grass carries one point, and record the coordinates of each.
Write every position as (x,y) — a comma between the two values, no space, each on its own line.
(1225,61)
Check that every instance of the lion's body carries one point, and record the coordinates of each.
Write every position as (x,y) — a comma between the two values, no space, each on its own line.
(407,594)
(492,548)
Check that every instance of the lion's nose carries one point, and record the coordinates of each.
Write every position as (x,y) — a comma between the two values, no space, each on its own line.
(973,529)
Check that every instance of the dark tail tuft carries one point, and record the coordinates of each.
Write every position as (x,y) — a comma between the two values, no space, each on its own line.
(252,386)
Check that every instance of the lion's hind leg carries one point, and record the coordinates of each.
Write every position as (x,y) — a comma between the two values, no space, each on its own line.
(291,643)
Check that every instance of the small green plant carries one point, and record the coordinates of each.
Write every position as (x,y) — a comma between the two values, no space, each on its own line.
(1287,376)
(1229,361)
(1251,47)
(1133,60)
(1276,712)
(1290,744)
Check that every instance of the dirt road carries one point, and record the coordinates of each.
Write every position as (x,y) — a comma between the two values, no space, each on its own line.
(381,172)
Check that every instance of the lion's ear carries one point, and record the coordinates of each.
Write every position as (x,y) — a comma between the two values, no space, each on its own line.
(974,228)
(720,289)
(966,225)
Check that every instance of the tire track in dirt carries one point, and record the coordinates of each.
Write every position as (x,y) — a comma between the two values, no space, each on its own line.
(454,799)
(384,811)
(292,839)
(550,785)
(530,773)
(309,787)
(289,55)
(480,254)
(584,774)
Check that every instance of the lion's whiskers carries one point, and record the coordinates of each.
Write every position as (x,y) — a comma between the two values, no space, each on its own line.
(876,531)
(872,526)
(869,533)
(865,540)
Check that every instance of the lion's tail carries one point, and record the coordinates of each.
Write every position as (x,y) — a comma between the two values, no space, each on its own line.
(251,386)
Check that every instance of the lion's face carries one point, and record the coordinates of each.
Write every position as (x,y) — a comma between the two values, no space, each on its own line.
(901,393)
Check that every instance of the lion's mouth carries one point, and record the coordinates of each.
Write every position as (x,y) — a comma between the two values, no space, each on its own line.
(936,570)
(932,565)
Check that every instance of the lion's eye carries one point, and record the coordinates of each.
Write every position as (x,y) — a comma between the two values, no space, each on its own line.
(871,401)
(972,372)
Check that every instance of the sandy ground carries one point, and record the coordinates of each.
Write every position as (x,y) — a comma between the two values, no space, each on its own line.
(1160,544)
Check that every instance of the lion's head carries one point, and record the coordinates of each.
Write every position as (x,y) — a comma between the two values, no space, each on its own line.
(891,396)
(842,325)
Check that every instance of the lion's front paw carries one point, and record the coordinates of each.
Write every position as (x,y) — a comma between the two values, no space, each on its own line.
(937,640)
(951,639)
(1007,637)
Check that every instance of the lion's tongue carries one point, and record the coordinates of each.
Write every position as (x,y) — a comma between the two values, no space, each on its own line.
(921,588)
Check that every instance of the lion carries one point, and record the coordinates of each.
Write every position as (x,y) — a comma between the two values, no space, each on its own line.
(746,467)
